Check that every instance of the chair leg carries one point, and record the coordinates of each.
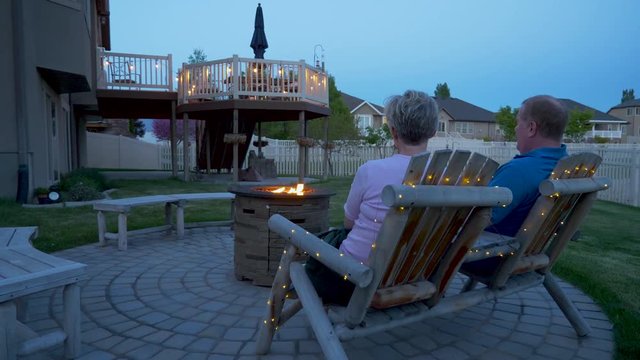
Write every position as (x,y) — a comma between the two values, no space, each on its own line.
(469,285)
(8,340)
(275,303)
(72,320)
(320,323)
(568,308)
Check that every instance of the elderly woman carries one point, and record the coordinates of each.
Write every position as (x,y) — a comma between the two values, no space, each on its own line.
(413,120)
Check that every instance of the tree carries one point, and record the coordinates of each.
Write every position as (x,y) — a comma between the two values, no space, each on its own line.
(136,127)
(627,94)
(378,137)
(442,91)
(578,124)
(162,130)
(506,119)
(341,123)
(197,56)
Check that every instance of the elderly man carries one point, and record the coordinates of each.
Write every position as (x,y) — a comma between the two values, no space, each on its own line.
(540,125)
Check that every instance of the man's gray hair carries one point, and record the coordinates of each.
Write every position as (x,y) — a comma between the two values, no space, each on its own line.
(414,115)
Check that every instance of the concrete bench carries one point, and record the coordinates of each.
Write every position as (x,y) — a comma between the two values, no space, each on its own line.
(25,271)
(124,206)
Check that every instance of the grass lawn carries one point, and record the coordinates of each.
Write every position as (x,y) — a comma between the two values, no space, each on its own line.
(604,262)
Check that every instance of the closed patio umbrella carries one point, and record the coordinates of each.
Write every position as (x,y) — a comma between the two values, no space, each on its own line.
(259,41)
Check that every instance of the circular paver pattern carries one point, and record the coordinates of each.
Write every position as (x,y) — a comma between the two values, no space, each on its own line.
(178,299)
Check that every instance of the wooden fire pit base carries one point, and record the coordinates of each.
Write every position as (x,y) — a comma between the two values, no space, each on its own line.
(257,250)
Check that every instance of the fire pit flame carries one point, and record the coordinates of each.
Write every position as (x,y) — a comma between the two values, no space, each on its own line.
(298,190)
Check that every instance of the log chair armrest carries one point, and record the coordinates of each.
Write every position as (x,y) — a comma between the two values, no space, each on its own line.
(445,195)
(356,272)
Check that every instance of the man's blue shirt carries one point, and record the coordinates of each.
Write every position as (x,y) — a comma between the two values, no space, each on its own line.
(522,175)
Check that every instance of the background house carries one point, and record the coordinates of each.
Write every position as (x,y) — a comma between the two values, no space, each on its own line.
(48,88)
(630,112)
(603,125)
(461,119)
(365,114)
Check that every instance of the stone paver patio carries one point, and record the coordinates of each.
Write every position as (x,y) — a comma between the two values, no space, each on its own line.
(168,299)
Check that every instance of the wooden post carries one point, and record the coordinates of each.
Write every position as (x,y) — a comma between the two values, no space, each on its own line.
(185,146)
(8,341)
(325,153)
(259,139)
(207,137)
(236,167)
(301,149)
(306,150)
(235,83)
(174,142)
(72,320)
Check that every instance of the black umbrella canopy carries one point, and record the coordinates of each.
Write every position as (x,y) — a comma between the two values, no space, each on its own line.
(259,41)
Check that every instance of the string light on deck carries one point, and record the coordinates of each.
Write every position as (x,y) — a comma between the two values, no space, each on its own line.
(317,254)
(345,277)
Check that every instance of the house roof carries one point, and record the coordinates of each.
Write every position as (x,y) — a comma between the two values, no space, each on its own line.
(354,103)
(626,104)
(597,115)
(461,110)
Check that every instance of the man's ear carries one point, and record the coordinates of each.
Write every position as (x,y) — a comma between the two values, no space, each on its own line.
(533,128)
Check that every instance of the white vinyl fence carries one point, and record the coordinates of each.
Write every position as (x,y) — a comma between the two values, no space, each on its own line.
(621,162)
(120,152)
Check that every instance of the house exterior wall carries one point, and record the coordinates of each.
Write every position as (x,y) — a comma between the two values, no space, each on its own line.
(630,132)
(55,35)
(376,119)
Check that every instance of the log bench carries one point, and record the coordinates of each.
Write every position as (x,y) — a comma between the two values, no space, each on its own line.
(124,206)
(25,271)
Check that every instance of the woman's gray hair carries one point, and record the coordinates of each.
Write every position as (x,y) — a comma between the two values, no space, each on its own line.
(414,115)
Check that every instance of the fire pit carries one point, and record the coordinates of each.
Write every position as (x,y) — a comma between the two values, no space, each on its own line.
(258,250)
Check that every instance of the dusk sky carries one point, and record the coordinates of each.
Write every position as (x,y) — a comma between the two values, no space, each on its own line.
(491,52)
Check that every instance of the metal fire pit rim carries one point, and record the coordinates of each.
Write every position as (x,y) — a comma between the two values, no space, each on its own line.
(250,191)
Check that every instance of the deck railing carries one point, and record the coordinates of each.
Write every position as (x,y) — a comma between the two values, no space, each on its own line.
(610,134)
(122,71)
(245,78)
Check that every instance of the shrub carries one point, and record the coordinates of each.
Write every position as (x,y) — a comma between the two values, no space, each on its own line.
(84,176)
(83,192)
(600,140)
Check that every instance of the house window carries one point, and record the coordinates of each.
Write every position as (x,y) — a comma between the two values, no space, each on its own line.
(638,111)
(363,122)
(464,128)
(442,126)
(629,111)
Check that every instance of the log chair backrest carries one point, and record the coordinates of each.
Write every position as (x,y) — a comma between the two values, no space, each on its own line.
(554,218)
(419,249)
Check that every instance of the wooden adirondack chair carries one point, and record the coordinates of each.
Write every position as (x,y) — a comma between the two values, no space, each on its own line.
(566,198)
(423,240)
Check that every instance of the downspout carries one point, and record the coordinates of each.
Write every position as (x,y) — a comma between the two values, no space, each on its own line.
(20,93)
